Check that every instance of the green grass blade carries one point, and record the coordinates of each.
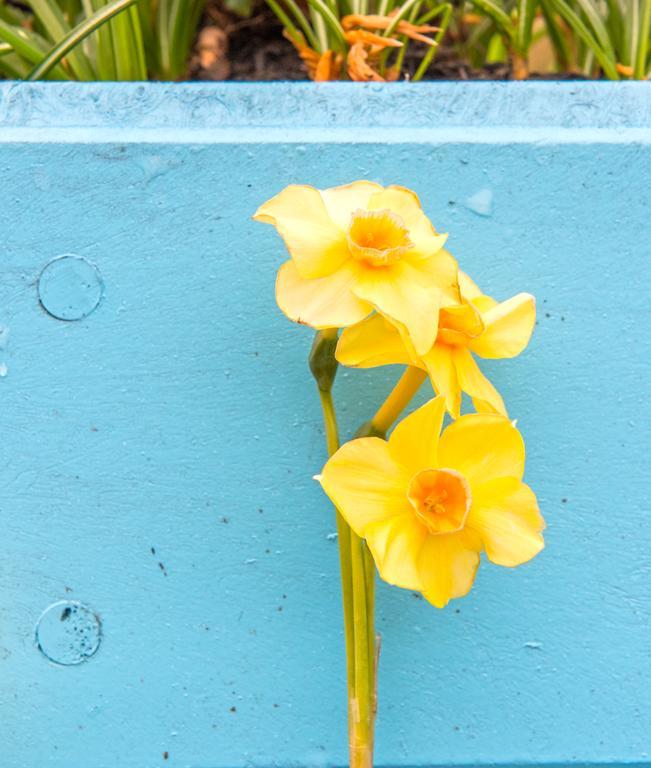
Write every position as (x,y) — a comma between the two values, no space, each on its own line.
(76,35)
(104,49)
(526,15)
(288,25)
(443,23)
(556,37)
(616,24)
(184,19)
(13,15)
(477,42)
(588,68)
(70,10)
(320,29)
(147,21)
(290,28)
(410,11)
(384,7)
(303,23)
(57,29)
(629,50)
(404,9)
(496,52)
(90,43)
(140,57)
(607,61)
(594,17)
(179,17)
(331,22)
(163,35)
(127,42)
(640,65)
(14,67)
(28,45)
(147,14)
(499,16)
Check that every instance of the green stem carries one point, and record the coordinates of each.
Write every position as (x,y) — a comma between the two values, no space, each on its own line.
(357,581)
(343,538)
(400,397)
(361,707)
(356,561)
(369,578)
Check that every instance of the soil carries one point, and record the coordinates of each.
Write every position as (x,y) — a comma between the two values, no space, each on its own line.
(254,49)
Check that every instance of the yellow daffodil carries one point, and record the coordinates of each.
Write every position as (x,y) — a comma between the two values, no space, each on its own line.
(427,506)
(359,248)
(476,325)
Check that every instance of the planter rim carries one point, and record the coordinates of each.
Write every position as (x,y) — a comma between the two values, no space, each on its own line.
(467,112)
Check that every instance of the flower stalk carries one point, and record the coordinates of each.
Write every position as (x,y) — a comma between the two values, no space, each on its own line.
(357,579)
(356,562)
(400,397)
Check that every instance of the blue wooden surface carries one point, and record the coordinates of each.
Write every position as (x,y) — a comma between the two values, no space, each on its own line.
(156,453)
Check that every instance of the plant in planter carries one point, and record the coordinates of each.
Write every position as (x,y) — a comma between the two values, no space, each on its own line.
(95,40)
(598,40)
(611,39)
(419,507)
(360,41)
(511,31)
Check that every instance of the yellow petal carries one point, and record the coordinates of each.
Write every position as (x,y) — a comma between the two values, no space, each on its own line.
(413,443)
(315,243)
(509,326)
(395,544)
(443,375)
(374,341)
(482,446)
(447,566)
(471,380)
(469,289)
(365,483)
(324,302)
(405,294)
(505,514)
(405,203)
(341,202)
(441,270)
(470,292)
(483,303)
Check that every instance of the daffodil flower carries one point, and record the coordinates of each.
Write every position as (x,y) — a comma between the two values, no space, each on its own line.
(359,248)
(427,506)
(477,325)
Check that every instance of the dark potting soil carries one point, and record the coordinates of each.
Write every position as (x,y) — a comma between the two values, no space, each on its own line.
(254,49)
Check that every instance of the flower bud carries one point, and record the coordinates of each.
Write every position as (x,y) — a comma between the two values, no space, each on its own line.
(323,362)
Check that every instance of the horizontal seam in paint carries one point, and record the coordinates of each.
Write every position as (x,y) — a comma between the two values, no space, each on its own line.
(252,135)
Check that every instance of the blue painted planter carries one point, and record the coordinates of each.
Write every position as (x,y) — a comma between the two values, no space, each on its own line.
(169,581)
